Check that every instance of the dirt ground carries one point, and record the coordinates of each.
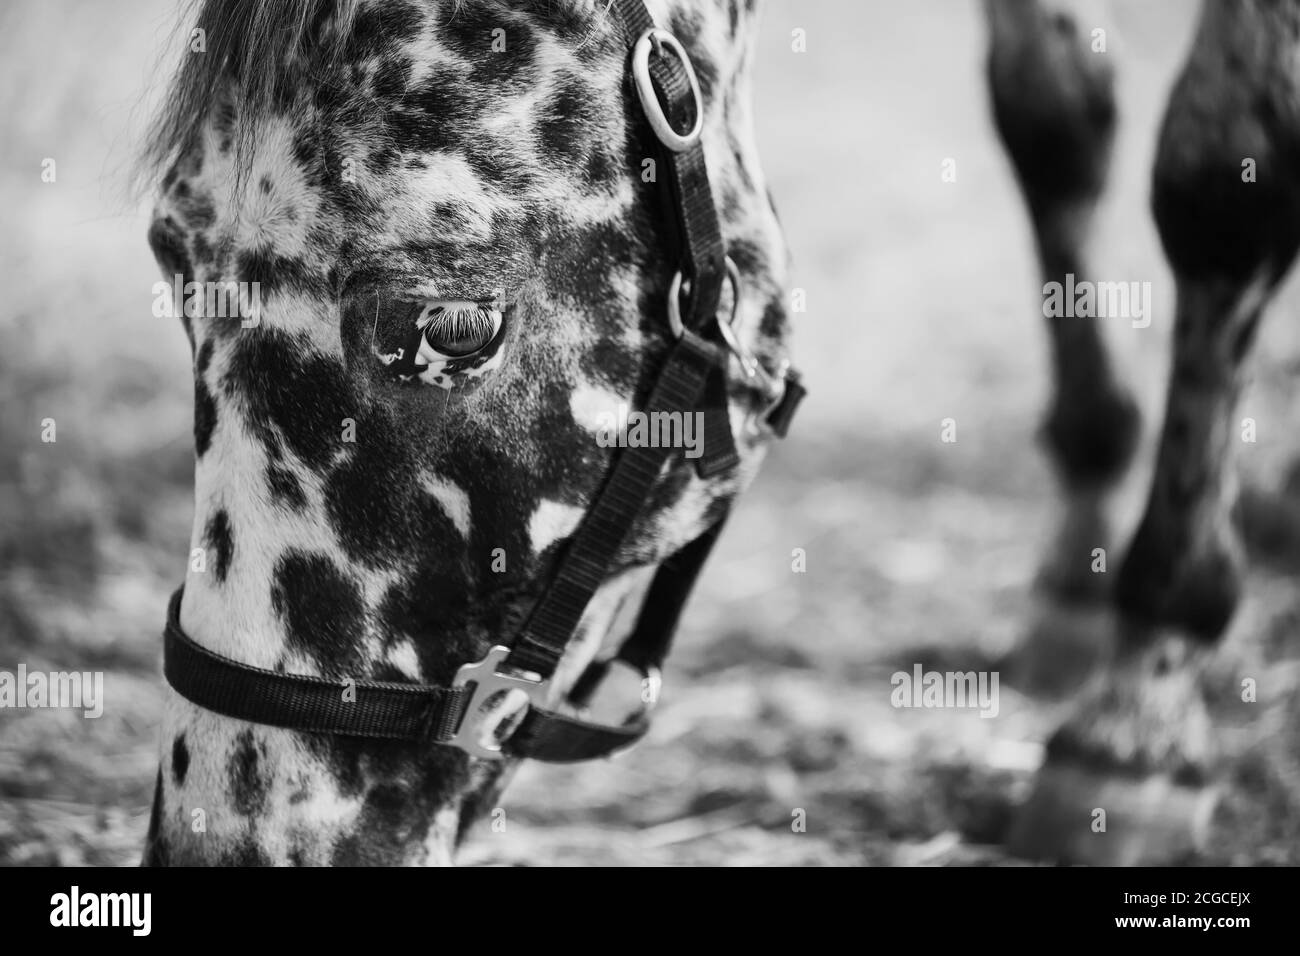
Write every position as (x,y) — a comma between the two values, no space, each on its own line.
(922,305)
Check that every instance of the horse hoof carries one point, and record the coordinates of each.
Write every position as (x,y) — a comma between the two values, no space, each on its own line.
(1073,573)
(1061,650)
(1128,779)
(1270,525)
(1083,815)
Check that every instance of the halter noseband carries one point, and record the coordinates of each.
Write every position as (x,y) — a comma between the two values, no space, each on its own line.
(692,378)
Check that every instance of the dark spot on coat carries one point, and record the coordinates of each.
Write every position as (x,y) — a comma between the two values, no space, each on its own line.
(507,169)
(347,758)
(199,212)
(604,168)
(307,149)
(774,322)
(581,263)
(246,853)
(613,361)
(435,115)
(374,500)
(180,760)
(155,851)
(433,599)
(167,241)
(287,389)
(249,778)
(204,358)
(285,487)
(750,258)
(276,274)
(203,251)
(381,160)
(569,122)
(469,32)
(221,540)
(390,78)
(396,815)
(568,22)
(321,609)
(205,417)
(387,831)
(380,27)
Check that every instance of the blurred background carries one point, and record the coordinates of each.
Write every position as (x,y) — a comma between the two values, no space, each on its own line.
(923,304)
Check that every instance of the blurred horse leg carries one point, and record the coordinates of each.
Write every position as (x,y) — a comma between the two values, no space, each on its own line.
(1054,106)
(1226,198)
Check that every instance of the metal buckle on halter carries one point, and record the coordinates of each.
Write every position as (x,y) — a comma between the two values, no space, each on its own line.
(487,681)
(771,387)
(657,39)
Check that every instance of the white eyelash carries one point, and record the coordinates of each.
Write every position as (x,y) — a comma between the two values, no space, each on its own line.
(460,323)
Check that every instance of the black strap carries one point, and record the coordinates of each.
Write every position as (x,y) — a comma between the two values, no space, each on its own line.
(417,713)
(651,639)
(779,418)
(363,709)
(695,234)
(692,235)
(591,551)
(692,364)
(554,738)
(560,738)
(646,648)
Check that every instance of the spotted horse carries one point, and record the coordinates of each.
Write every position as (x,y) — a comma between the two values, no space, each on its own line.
(477,229)
(1140,742)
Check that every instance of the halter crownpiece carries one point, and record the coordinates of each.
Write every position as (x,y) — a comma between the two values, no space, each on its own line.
(694,377)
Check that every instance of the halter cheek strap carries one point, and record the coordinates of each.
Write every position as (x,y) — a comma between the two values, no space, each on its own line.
(694,377)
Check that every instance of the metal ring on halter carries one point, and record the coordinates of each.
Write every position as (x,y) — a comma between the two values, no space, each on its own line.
(675,300)
(728,329)
(771,386)
(657,39)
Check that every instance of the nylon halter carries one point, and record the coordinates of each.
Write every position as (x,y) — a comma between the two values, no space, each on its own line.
(693,378)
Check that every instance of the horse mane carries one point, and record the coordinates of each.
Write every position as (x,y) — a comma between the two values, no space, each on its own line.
(251,48)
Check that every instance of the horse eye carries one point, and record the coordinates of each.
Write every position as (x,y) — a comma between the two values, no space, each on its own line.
(456,329)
